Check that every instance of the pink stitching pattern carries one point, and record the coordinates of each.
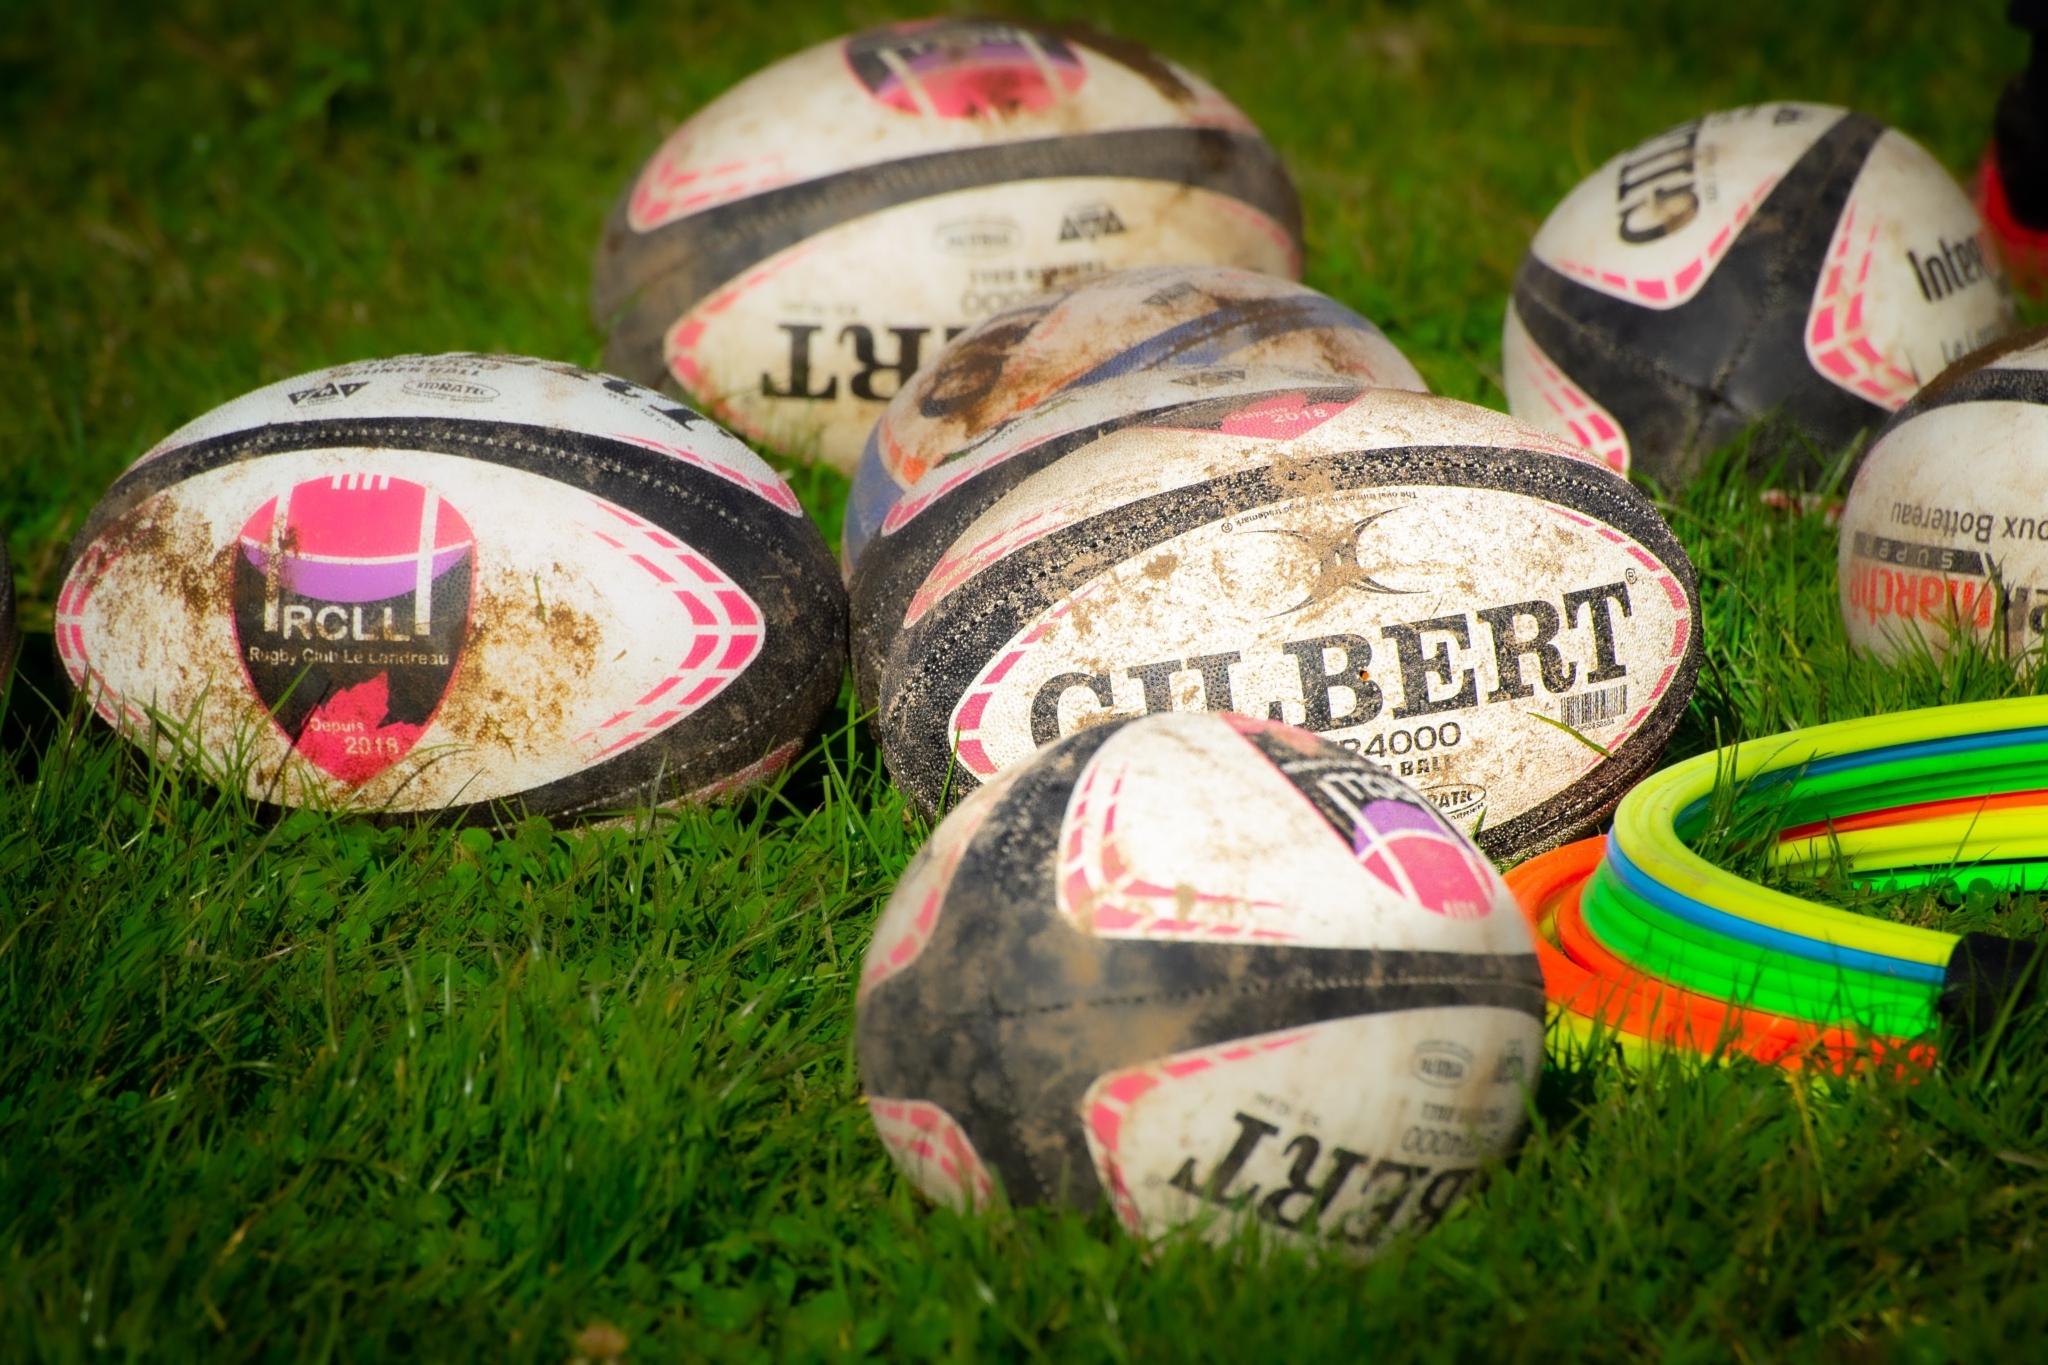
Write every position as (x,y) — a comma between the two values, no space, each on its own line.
(1112,1099)
(1099,891)
(967,715)
(667,190)
(679,345)
(1837,331)
(1668,291)
(950,572)
(728,637)
(772,488)
(1591,425)
(85,576)
(920,1135)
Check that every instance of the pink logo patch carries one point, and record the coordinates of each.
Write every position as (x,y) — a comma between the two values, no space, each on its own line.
(1281,417)
(1407,848)
(351,600)
(964,68)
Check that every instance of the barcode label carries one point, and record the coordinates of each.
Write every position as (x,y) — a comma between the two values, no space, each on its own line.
(1584,710)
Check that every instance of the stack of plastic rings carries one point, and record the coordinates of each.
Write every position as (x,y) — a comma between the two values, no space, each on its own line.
(1647,942)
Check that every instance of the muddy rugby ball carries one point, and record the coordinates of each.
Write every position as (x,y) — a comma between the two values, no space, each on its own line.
(1204,968)
(799,247)
(442,583)
(1945,531)
(1464,601)
(1161,320)
(1784,258)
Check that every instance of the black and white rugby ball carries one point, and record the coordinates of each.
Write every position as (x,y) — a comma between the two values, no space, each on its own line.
(443,583)
(1465,601)
(1945,531)
(1783,258)
(1159,320)
(1205,968)
(798,248)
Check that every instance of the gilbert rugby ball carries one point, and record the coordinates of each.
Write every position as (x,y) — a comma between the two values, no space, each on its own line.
(1783,258)
(439,583)
(1945,530)
(1161,320)
(1205,968)
(1464,601)
(796,250)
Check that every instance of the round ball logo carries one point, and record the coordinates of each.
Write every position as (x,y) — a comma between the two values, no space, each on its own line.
(964,69)
(352,597)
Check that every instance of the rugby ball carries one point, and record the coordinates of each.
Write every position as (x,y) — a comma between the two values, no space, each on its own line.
(1945,531)
(1783,258)
(452,584)
(1471,604)
(796,250)
(1205,968)
(1161,320)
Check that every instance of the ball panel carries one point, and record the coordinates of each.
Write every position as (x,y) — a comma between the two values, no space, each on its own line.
(804,348)
(1316,848)
(501,389)
(1932,546)
(645,283)
(1357,1128)
(1652,225)
(1900,299)
(690,688)
(1009,1015)
(2010,371)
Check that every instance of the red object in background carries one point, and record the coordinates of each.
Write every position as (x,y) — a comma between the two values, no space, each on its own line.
(2025,249)
(2011,188)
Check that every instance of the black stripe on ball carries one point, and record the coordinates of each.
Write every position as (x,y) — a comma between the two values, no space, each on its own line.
(643,282)
(1984,385)
(1009,1014)
(1682,381)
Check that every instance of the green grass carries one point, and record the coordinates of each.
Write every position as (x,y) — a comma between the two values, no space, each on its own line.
(306,1089)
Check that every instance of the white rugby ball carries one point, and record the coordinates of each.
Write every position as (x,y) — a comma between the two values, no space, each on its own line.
(798,248)
(1469,603)
(446,583)
(1204,969)
(1159,320)
(1945,531)
(1783,258)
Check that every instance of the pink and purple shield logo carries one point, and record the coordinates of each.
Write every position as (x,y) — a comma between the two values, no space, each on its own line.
(352,601)
(954,68)
(1407,847)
